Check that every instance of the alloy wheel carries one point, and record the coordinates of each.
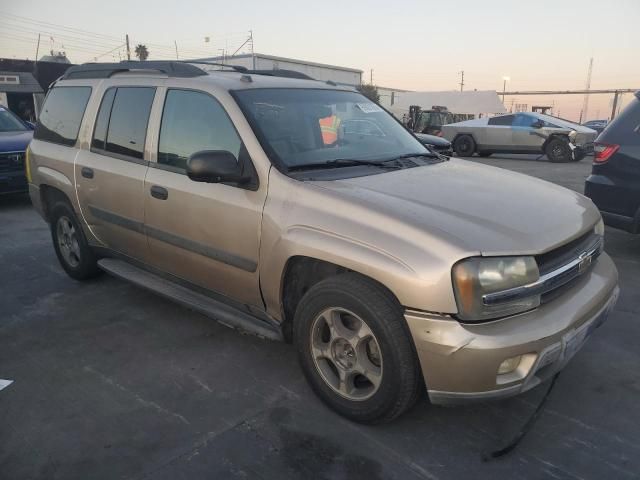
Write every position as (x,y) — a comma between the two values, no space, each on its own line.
(346,353)
(68,241)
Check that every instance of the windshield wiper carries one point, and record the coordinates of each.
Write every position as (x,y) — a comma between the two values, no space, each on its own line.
(343,162)
(435,156)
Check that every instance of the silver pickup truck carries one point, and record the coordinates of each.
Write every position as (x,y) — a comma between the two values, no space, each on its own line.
(391,269)
(560,140)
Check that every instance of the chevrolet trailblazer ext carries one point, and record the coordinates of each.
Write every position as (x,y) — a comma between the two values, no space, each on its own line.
(391,268)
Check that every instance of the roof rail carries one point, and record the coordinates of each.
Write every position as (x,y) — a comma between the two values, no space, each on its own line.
(237,68)
(278,72)
(106,70)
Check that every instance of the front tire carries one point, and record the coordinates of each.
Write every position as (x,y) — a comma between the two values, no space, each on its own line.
(464,146)
(356,350)
(72,249)
(558,150)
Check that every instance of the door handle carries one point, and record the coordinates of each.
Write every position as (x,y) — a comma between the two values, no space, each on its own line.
(160,193)
(86,172)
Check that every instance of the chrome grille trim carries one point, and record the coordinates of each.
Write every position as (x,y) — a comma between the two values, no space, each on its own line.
(549,281)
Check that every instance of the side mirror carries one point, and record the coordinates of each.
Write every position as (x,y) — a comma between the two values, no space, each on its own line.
(538,124)
(215,166)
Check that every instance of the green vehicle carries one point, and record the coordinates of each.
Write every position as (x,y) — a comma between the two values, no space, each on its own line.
(431,121)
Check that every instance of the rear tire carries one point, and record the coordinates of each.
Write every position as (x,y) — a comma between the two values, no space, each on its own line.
(348,324)
(558,150)
(72,249)
(464,146)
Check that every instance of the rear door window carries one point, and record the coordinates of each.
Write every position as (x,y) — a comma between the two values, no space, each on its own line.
(62,114)
(504,120)
(127,127)
(102,122)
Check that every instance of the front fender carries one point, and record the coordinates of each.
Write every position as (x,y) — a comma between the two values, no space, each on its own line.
(410,288)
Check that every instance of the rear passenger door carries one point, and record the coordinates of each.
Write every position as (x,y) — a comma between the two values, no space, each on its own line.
(205,233)
(110,173)
(497,135)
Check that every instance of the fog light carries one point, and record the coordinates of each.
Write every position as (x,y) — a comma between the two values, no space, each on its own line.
(509,365)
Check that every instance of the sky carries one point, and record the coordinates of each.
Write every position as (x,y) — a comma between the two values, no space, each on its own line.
(409,44)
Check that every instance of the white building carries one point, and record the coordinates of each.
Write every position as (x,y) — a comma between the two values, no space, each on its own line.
(485,102)
(351,77)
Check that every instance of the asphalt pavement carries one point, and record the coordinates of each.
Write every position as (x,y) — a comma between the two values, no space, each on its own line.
(111,381)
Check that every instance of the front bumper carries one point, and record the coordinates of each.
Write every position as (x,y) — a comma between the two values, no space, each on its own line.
(460,361)
(13,182)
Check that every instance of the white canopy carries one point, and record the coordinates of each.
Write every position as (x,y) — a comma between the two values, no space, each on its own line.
(476,102)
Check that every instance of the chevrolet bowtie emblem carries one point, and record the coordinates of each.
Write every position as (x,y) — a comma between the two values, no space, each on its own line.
(585,262)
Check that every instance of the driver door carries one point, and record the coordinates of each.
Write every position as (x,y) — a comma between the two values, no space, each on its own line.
(205,233)
(524,135)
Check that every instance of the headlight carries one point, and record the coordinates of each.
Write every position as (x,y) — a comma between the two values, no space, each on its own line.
(599,228)
(478,276)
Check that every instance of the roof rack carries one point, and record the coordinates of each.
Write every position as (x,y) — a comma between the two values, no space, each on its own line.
(237,68)
(281,73)
(106,70)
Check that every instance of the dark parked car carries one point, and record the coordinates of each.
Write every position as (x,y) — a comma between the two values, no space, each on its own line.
(614,183)
(15,136)
(437,144)
(597,125)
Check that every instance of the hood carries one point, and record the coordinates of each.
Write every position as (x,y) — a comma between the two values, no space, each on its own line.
(15,141)
(433,140)
(476,207)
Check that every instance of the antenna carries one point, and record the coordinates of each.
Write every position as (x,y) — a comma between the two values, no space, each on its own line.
(585,105)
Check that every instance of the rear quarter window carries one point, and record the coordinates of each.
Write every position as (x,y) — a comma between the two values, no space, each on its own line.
(62,115)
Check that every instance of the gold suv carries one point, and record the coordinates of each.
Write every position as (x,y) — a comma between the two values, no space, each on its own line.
(300,210)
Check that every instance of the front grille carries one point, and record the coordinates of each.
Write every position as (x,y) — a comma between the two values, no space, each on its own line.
(559,257)
(11,162)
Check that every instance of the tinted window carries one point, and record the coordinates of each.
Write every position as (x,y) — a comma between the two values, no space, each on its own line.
(502,120)
(194,121)
(102,122)
(62,114)
(128,123)
(524,120)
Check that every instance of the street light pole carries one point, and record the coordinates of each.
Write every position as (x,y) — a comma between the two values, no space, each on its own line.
(504,86)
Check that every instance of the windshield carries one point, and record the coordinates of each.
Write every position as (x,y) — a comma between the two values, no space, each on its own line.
(297,127)
(9,122)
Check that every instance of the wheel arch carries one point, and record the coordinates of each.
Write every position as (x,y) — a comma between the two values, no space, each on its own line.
(551,137)
(49,195)
(301,273)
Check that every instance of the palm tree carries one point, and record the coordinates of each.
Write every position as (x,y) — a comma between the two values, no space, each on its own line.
(142,52)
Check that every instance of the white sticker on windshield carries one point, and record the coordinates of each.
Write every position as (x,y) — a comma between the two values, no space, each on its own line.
(369,107)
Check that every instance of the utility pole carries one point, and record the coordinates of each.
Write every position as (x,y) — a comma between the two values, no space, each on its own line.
(462,80)
(38,47)
(128,49)
(176,44)
(615,106)
(585,105)
(371,77)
